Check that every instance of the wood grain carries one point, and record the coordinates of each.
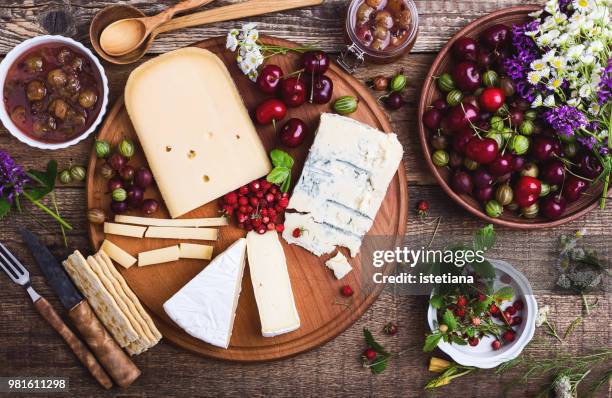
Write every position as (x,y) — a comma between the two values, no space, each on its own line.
(333,370)
(322,319)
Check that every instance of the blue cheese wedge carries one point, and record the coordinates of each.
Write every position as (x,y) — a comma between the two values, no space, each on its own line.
(206,306)
(271,284)
(340,265)
(343,183)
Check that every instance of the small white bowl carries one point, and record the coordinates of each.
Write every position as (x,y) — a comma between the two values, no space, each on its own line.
(483,356)
(8,61)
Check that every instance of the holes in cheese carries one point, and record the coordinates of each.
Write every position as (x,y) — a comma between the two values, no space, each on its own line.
(117,254)
(124,230)
(164,222)
(170,104)
(195,251)
(159,256)
(182,233)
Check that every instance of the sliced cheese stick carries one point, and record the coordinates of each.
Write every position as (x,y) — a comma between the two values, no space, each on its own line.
(159,256)
(181,233)
(163,222)
(195,251)
(123,258)
(124,230)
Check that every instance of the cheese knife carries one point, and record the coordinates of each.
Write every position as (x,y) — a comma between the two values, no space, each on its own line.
(116,362)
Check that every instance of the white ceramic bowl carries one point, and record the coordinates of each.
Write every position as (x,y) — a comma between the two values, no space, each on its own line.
(8,61)
(483,356)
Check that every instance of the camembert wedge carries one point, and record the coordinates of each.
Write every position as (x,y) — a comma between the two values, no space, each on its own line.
(206,306)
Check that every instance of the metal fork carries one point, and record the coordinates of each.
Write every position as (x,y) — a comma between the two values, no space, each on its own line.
(17,272)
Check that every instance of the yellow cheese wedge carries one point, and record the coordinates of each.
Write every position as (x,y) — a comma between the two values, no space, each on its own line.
(195,251)
(124,230)
(182,233)
(159,256)
(117,254)
(195,131)
(164,222)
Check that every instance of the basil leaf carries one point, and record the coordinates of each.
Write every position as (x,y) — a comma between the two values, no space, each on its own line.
(431,342)
(458,340)
(484,238)
(449,319)
(5,207)
(504,294)
(372,343)
(484,269)
(286,184)
(281,158)
(380,364)
(278,175)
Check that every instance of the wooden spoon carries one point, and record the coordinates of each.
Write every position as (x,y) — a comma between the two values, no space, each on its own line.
(124,35)
(234,11)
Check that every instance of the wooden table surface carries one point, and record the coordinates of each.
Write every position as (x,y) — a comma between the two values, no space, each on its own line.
(28,347)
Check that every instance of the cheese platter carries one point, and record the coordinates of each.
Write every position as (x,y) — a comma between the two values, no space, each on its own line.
(189,227)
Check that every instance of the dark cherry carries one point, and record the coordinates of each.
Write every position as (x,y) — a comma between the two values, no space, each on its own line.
(588,165)
(293,133)
(114,183)
(483,151)
(518,162)
(466,76)
(484,59)
(504,178)
(293,91)
(440,104)
(573,188)
(461,139)
(119,207)
(461,182)
(321,89)
(502,165)
(472,100)
(269,78)
(315,62)
(456,160)
(432,118)
(116,161)
(482,178)
(460,116)
(127,173)
(465,49)
(527,191)
(149,206)
(270,110)
(553,172)
(484,194)
(543,148)
(439,141)
(135,196)
(516,117)
(496,36)
(553,207)
(492,98)
(394,101)
(143,178)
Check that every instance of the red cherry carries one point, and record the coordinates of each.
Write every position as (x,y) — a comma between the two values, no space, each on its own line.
(321,89)
(543,148)
(589,166)
(494,309)
(553,172)
(483,151)
(346,291)
(460,116)
(496,36)
(502,164)
(511,310)
(293,133)
(509,336)
(466,76)
(465,49)
(573,188)
(492,98)
(459,312)
(293,91)
(527,191)
(432,118)
(461,301)
(461,182)
(482,178)
(484,194)
(461,138)
(296,233)
(315,62)
(440,104)
(269,78)
(269,110)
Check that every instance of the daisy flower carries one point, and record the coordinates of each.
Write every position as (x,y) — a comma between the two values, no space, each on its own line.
(534,77)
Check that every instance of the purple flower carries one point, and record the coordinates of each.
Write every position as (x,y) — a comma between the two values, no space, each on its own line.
(588,141)
(12,177)
(565,119)
(605,85)
(522,42)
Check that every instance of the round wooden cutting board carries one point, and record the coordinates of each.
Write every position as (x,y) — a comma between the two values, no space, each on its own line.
(324,313)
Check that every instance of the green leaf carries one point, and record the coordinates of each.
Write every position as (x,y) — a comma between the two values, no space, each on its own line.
(281,158)
(458,340)
(449,320)
(286,184)
(431,342)
(278,175)
(380,364)
(372,343)
(484,238)
(45,180)
(470,331)
(484,268)
(5,207)
(436,302)
(503,294)
(482,306)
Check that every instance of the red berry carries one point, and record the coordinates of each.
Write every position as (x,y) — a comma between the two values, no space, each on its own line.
(509,336)
(346,291)
(243,190)
(473,341)
(271,226)
(231,198)
(369,354)
(229,210)
(254,186)
(243,201)
(483,151)
(262,230)
(527,191)
(511,310)
(517,320)
(280,227)
(518,305)
(476,321)
(496,345)
(494,309)
(461,301)
(297,232)
(460,312)
(492,98)
(283,202)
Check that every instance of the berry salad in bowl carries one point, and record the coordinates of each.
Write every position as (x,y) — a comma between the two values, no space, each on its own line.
(514,121)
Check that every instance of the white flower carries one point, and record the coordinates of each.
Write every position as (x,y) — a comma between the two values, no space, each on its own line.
(594,109)
(538,65)
(232,40)
(246,28)
(542,315)
(585,91)
(582,5)
(551,7)
(537,102)
(251,38)
(554,83)
(557,62)
(549,101)
(563,39)
(573,101)
(596,47)
(576,51)
(534,77)
(587,59)
(536,14)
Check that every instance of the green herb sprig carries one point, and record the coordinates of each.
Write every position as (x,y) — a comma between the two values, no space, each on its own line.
(281,173)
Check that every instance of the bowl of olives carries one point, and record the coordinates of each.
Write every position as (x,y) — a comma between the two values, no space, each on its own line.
(55,92)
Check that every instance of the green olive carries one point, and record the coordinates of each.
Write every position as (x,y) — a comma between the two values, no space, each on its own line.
(96,216)
(34,63)
(531,211)
(384,19)
(57,78)
(497,136)
(102,149)
(545,190)
(494,209)
(126,148)
(530,114)
(440,158)
(504,195)
(503,110)
(364,12)
(36,90)
(59,108)
(88,98)
(470,164)
(399,82)
(497,123)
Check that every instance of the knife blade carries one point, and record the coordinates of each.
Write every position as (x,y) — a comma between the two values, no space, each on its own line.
(55,274)
(116,362)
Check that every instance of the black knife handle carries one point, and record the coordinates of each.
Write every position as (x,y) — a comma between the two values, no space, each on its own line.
(80,350)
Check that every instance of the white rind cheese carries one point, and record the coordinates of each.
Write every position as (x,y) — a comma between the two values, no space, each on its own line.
(206,306)
(159,256)
(195,131)
(340,265)
(132,231)
(343,183)
(271,284)
(164,222)
(194,251)
(181,233)
(117,254)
